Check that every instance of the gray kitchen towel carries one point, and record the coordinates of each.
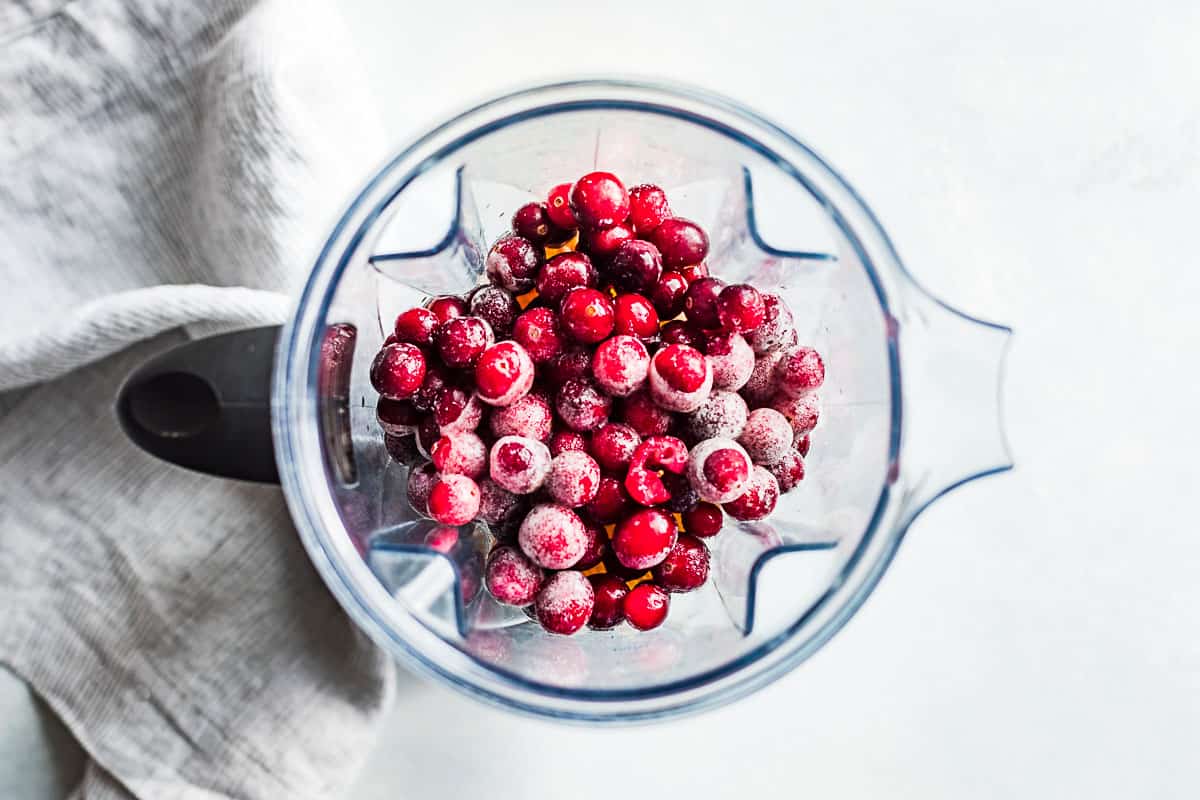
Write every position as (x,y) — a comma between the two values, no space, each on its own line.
(167,163)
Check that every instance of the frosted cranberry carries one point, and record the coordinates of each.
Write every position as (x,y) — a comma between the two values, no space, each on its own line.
(586,315)
(608,608)
(759,498)
(567,441)
(511,577)
(581,406)
(532,221)
(694,272)
(644,538)
(599,200)
(447,307)
(634,315)
(416,326)
(680,378)
(704,520)
(513,263)
(402,448)
(530,416)
(457,410)
(640,412)
(701,303)
(723,415)
(731,359)
(668,294)
(597,547)
(435,380)
(553,536)
(635,266)
(620,365)
(420,484)
(602,243)
(800,371)
(574,479)
(565,272)
(610,503)
(519,464)
(462,340)
(495,306)
(428,433)
(573,362)
(564,605)
(788,470)
(682,496)
(613,446)
(497,505)
(642,481)
(459,453)
(679,332)
(537,331)
(504,374)
(685,568)
(740,308)
(441,539)
(454,500)
(776,328)
(646,606)
(760,386)
(802,443)
(398,371)
(648,207)
(558,207)
(397,417)
(681,242)
(767,436)
(726,476)
(802,412)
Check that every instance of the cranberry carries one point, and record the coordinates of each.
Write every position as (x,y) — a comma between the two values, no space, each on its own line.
(398,371)
(648,207)
(459,453)
(760,386)
(456,410)
(397,417)
(519,464)
(613,446)
(694,272)
(454,500)
(530,416)
(681,242)
(685,568)
(553,536)
(731,359)
(776,328)
(532,221)
(800,371)
(442,539)
(679,332)
(646,606)
(599,200)
(581,406)
(402,448)
(759,498)
(740,308)
(602,243)
(420,484)
(513,263)
(656,453)
(497,505)
(574,479)
(802,443)
(495,306)
(668,294)
(597,547)
(680,378)
(431,387)
(614,567)
(608,610)
(683,496)
(620,365)
(702,302)
(640,412)
(462,340)
(634,315)
(704,520)
(802,412)
(567,441)
(610,503)
(416,326)
(537,331)
(504,374)
(427,434)
(558,207)
(564,272)
(723,415)
(644,538)
(788,470)
(511,577)
(635,266)
(726,476)
(573,362)
(586,315)
(447,307)
(391,339)
(564,605)
(767,436)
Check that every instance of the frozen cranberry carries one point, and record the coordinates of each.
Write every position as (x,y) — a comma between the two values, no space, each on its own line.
(513,263)
(620,365)
(397,417)
(454,500)
(681,242)
(679,332)
(680,378)
(564,272)
(802,412)
(564,605)
(608,610)
(682,496)
(740,308)
(416,326)
(788,470)
(602,243)
(722,415)
(800,371)
(574,479)
(436,379)
(648,207)
(731,359)
(685,568)
(610,503)
(459,453)
(511,577)
(668,294)
(581,406)
(402,448)
(532,221)
(760,386)
(635,266)
(694,272)
(553,536)
(441,539)
(767,436)
(495,306)
(558,207)
(447,307)
(497,505)
(643,481)
(398,371)
(634,315)
(599,200)
(640,412)
(530,416)
(586,315)
(704,520)
(644,538)
(420,483)
(428,433)
(567,441)
(457,410)
(613,446)
(462,340)
(776,328)
(726,476)
(572,362)
(802,443)
(519,464)
(646,606)
(701,303)
(759,498)
(537,331)
(504,374)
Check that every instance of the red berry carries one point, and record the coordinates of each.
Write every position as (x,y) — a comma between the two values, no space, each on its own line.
(777,326)
(620,365)
(685,568)
(610,503)
(802,412)
(681,242)
(613,446)
(558,207)
(497,505)
(518,464)
(431,387)
(565,272)
(644,538)
(462,340)
(454,500)
(683,496)
(731,359)
(495,306)
(459,453)
(702,302)
(442,539)
(608,610)
(416,326)
(646,606)
(723,415)
(635,266)
(553,536)
(513,263)
(679,332)
(537,331)
(397,417)
(581,406)
(759,498)
(704,520)
(532,221)
(694,272)
(640,412)
(599,200)
(740,308)
(402,448)
(565,603)
(760,386)
(642,481)
(682,367)
(572,362)
(767,436)
(398,371)
(447,307)
(427,434)
(530,416)
(420,484)
(648,207)
(802,443)
(614,567)
(586,315)
(719,470)
(634,315)
(511,577)
(567,441)
(597,547)
(603,242)
(788,471)
(574,479)
(456,410)
(504,374)
(667,295)
(800,371)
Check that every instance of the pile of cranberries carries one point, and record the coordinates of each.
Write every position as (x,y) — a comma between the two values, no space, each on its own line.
(602,402)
